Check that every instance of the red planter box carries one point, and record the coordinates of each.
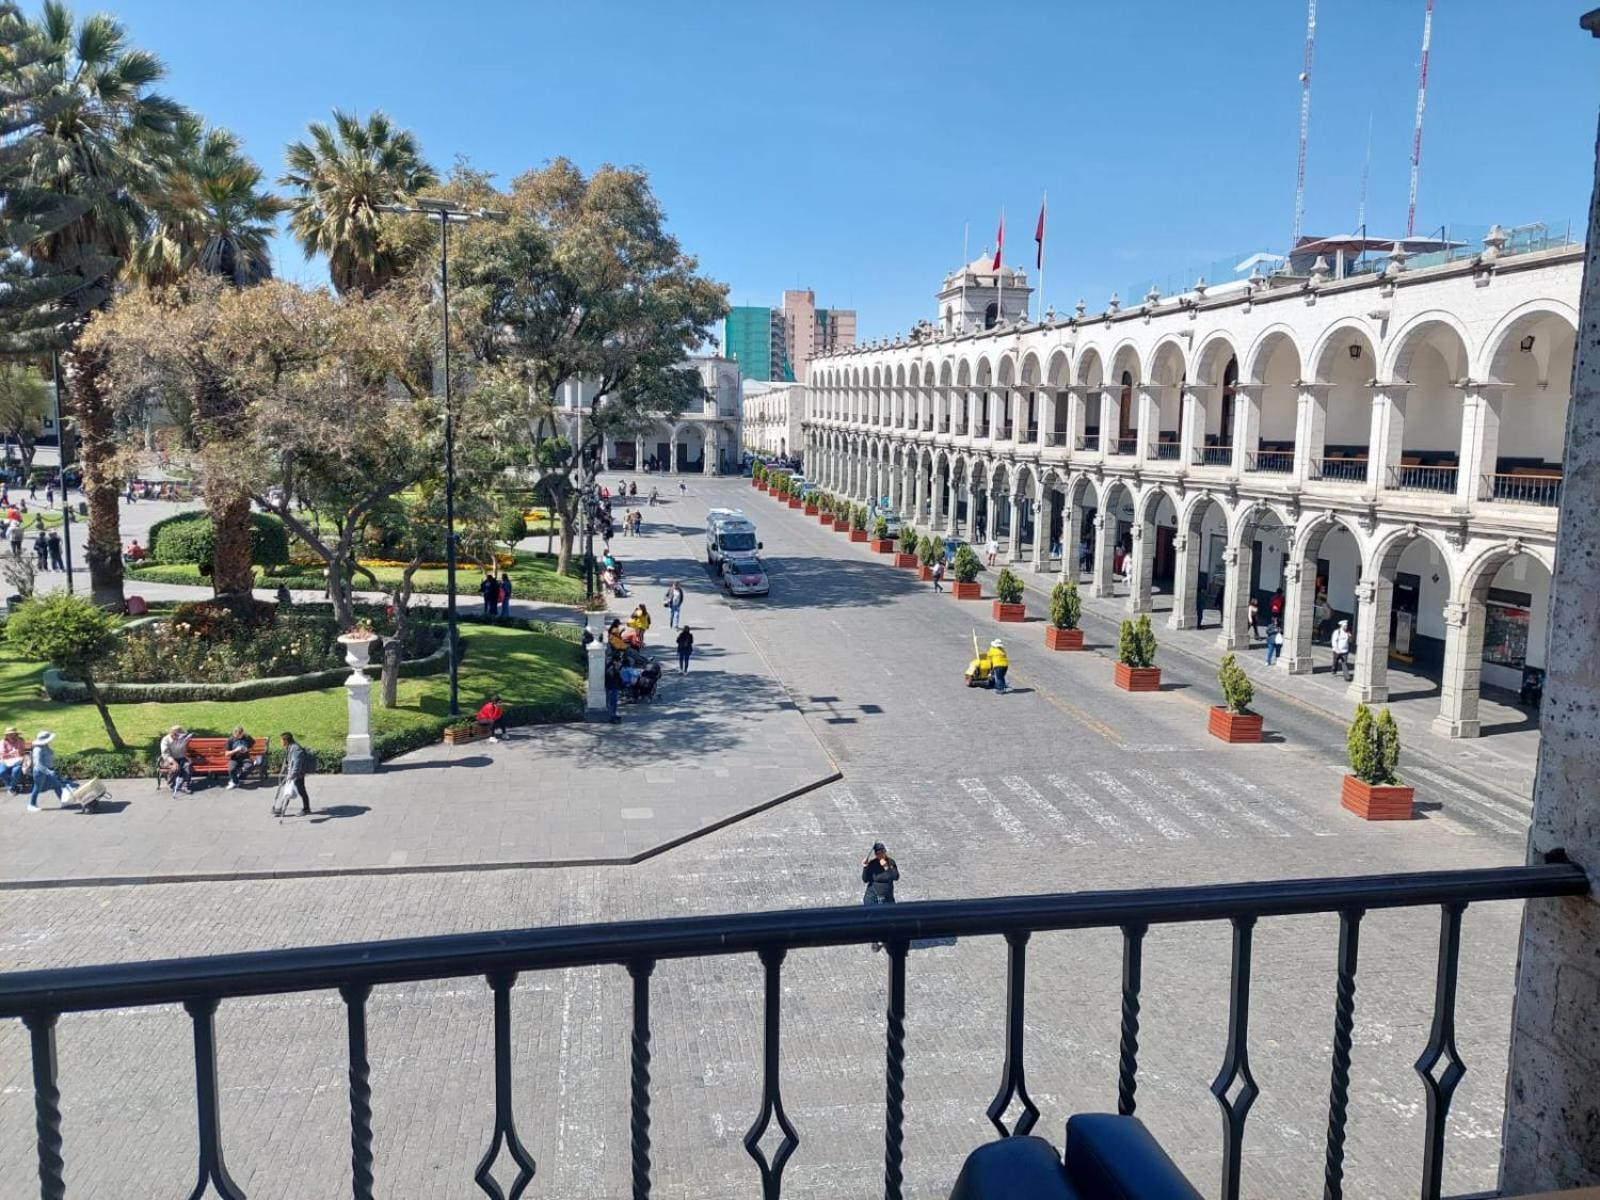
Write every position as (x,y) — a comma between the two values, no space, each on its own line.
(1010,612)
(793,503)
(841,525)
(1062,639)
(858,535)
(967,591)
(1234,728)
(1137,679)
(909,561)
(811,510)
(924,572)
(884,547)
(1375,802)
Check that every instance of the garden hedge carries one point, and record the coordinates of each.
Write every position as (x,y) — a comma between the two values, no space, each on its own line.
(189,538)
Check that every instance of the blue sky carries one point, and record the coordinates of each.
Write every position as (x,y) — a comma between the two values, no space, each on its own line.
(843,145)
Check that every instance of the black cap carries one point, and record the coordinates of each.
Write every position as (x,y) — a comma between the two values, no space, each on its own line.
(877,847)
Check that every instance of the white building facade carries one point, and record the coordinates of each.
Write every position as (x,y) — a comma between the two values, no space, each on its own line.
(1385,446)
(774,419)
(703,439)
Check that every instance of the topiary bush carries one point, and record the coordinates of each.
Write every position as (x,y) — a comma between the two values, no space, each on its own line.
(966,565)
(1008,586)
(1374,747)
(1136,643)
(513,526)
(1237,691)
(858,517)
(189,538)
(1066,608)
(930,550)
(880,529)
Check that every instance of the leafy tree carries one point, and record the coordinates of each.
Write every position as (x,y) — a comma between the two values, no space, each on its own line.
(930,549)
(1374,747)
(965,566)
(1066,606)
(100,131)
(1237,691)
(71,633)
(24,401)
(341,176)
(1008,586)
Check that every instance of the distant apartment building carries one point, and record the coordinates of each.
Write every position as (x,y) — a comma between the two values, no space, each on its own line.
(776,345)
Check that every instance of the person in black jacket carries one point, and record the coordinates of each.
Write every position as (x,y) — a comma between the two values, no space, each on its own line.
(879,872)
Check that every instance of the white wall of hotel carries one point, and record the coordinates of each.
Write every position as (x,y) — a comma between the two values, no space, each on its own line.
(700,440)
(1396,438)
(774,418)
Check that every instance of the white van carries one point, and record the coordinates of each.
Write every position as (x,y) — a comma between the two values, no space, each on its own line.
(729,531)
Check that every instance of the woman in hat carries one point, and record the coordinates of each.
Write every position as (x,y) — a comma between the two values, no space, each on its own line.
(44,768)
(13,754)
(998,665)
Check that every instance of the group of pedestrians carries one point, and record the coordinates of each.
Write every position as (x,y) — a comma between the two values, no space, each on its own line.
(496,595)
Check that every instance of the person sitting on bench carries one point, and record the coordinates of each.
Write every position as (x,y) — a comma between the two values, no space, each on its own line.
(492,715)
(175,765)
(240,758)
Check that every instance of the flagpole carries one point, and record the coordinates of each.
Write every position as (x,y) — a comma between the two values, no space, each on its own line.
(961,320)
(1043,208)
(1000,270)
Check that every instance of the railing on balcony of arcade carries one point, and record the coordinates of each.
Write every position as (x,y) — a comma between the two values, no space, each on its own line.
(1418,478)
(1270,462)
(1005,432)
(1032,436)
(39,998)
(1058,437)
(944,425)
(1127,446)
(1339,470)
(1213,456)
(1543,490)
(1166,451)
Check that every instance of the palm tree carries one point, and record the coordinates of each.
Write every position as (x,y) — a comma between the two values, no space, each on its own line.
(211,214)
(100,126)
(342,175)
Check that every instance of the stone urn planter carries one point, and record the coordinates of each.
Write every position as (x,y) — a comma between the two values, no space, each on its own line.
(858,535)
(1010,612)
(967,591)
(908,561)
(358,646)
(1234,728)
(1062,639)
(1137,679)
(1377,802)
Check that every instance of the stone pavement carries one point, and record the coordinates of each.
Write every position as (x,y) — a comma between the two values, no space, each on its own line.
(716,744)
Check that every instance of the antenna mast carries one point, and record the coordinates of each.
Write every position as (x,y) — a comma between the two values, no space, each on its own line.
(1366,166)
(1305,120)
(1422,103)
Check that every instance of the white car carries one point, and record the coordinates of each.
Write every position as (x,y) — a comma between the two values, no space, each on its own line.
(745,577)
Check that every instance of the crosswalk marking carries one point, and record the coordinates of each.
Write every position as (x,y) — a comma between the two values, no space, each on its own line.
(1281,807)
(1244,811)
(1002,815)
(1093,809)
(1479,808)
(1177,800)
(1140,807)
(1026,792)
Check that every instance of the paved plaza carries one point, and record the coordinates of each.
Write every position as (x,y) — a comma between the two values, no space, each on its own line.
(1066,784)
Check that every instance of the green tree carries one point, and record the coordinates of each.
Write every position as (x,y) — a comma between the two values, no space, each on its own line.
(1008,586)
(101,129)
(965,567)
(1066,606)
(341,176)
(24,401)
(70,633)
(1136,643)
(1237,691)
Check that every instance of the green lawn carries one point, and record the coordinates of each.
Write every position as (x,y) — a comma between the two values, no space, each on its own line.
(539,676)
(533,577)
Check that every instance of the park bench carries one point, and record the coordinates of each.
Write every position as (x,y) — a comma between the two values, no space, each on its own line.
(209,756)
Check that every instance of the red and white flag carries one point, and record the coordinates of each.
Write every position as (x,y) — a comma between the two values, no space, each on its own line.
(999,242)
(1038,235)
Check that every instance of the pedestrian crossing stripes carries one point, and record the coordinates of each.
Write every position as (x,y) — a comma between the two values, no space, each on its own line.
(1002,815)
(1058,820)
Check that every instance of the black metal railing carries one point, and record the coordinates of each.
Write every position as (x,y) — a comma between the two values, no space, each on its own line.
(1270,462)
(1213,456)
(39,998)
(1166,451)
(1423,479)
(1126,446)
(1543,490)
(1339,470)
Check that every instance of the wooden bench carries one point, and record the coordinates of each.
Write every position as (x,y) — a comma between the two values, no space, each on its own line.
(209,756)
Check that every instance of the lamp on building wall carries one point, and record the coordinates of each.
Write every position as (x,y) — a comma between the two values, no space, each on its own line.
(1527,344)
(1355,350)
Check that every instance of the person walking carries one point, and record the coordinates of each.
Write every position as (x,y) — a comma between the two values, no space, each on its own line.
(44,769)
(998,665)
(613,681)
(1254,608)
(292,781)
(685,649)
(1276,607)
(938,576)
(505,594)
(879,872)
(674,603)
(41,549)
(489,589)
(54,543)
(14,533)
(1340,641)
(990,549)
(683,488)
(1274,642)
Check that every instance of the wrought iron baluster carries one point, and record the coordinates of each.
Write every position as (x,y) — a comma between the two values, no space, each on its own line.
(771,1098)
(213,1170)
(895,1091)
(1236,1062)
(1344,1017)
(47,1105)
(1128,1051)
(505,1125)
(355,1005)
(1441,1045)
(1012,1076)
(640,970)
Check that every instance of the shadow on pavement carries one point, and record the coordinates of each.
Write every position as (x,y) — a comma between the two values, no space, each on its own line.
(334,812)
(472,760)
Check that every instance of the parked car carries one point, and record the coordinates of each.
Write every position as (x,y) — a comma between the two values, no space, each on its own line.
(745,577)
(892,521)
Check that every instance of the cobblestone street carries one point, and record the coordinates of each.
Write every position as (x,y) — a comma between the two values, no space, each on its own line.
(1066,784)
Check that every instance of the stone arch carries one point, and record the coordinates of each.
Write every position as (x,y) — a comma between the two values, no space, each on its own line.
(1090,370)
(1403,345)
(1503,342)
(1305,591)
(1430,356)
(1336,340)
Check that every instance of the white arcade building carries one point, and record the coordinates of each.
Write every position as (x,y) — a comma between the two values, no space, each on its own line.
(703,439)
(1382,440)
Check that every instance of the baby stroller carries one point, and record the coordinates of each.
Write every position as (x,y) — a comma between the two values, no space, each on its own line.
(640,675)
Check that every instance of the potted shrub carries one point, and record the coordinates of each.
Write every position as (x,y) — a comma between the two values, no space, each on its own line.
(1066,609)
(758,475)
(789,491)
(907,555)
(881,542)
(965,568)
(1232,720)
(464,731)
(841,515)
(929,550)
(1372,790)
(813,504)
(1136,655)
(858,523)
(1008,605)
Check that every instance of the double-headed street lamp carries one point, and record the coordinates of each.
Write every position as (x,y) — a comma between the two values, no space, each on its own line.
(447,213)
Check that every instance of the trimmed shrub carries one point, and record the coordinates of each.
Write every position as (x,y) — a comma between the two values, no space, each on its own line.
(858,517)
(930,550)
(880,529)
(1237,691)
(1066,608)
(1008,586)
(1136,643)
(908,539)
(1374,747)
(189,538)
(513,526)
(966,567)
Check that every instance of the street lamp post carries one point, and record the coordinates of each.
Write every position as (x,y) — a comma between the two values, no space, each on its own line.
(447,213)
(61,469)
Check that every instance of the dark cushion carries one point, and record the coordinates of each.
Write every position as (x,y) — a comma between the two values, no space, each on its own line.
(1114,1158)
(1014,1168)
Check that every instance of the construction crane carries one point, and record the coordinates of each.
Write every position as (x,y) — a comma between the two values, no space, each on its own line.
(1422,103)
(1305,121)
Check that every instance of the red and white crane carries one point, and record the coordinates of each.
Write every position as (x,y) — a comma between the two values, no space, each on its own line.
(1422,103)
(1305,121)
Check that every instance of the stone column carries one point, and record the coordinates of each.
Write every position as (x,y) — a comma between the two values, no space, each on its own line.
(1480,441)
(973,492)
(1143,562)
(1049,398)
(1463,668)
(1041,528)
(1310,431)
(1076,399)
(1185,581)
(1236,560)
(1105,548)
(1371,682)
(1191,429)
(358,758)
(1147,421)
(1018,503)
(1299,614)
(1388,433)
(594,706)
(938,514)
(1110,404)
(1246,424)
